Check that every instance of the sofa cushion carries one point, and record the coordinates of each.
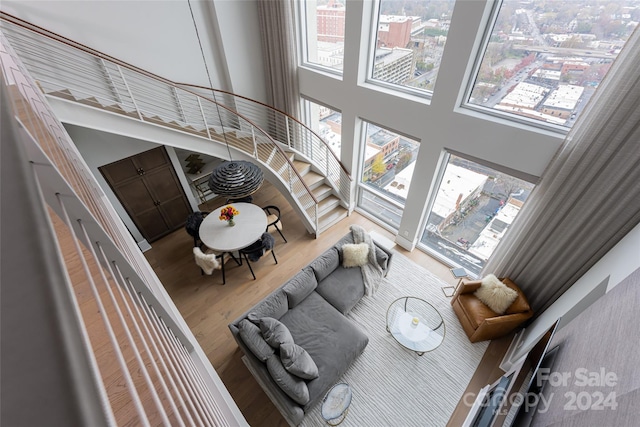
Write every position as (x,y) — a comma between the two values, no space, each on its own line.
(300,286)
(343,288)
(520,305)
(274,332)
(355,255)
(475,310)
(325,263)
(495,294)
(297,361)
(274,305)
(253,339)
(332,341)
(293,386)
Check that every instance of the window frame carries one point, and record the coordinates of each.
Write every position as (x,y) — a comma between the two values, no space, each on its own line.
(423,95)
(303,45)
(442,166)
(465,104)
(361,187)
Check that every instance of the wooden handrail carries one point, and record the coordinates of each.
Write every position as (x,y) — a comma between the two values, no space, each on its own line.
(279,111)
(57,37)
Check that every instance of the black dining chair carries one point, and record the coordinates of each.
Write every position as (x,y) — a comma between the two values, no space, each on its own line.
(257,250)
(246,199)
(273,219)
(193,226)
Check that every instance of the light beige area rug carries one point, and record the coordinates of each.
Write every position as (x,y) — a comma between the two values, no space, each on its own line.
(393,386)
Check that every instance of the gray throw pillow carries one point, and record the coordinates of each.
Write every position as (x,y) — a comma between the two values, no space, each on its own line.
(275,333)
(326,263)
(300,286)
(293,386)
(253,339)
(297,361)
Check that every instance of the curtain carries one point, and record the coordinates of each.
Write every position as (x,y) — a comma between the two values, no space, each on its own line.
(279,52)
(588,197)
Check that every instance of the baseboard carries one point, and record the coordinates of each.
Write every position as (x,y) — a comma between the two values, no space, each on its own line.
(506,362)
(405,243)
(144,245)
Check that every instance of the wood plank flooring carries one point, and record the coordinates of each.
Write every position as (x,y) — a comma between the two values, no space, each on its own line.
(208,306)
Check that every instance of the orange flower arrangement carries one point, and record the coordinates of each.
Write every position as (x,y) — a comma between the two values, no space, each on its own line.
(228,212)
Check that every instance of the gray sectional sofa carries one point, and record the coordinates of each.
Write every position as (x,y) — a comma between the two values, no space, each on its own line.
(312,305)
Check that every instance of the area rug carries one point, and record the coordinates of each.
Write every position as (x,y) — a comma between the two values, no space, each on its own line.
(393,386)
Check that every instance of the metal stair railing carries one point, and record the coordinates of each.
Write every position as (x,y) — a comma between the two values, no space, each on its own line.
(69,70)
(287,129)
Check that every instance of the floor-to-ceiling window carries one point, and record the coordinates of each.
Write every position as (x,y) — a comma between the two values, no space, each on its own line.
(505,152)
(473,208)
(544,59)
(410,38)
(388,162)
(323,33)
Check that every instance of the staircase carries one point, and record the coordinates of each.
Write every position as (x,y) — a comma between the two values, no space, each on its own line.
(295,159)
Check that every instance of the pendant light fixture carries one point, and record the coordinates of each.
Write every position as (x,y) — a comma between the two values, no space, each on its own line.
(233,179)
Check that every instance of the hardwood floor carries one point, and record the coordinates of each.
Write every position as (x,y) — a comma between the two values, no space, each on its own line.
(208,306)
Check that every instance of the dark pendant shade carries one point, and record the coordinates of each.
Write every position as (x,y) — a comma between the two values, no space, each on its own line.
(235,179)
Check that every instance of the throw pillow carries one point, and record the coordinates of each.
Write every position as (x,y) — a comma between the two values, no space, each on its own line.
(495,294)
(297,361)
(293,386)
(355,255)
(275,333)
(253,339)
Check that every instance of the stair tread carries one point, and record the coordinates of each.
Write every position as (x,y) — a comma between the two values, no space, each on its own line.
(301,167)
(324,205)
(311,178)
(331,217)
(321,191)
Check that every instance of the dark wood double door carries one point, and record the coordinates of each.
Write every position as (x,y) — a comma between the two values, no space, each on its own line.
(148,188)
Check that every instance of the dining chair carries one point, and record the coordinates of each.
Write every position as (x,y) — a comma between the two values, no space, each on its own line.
(257,250)
(273,219)
(246,199)
(193,226)
(210,260)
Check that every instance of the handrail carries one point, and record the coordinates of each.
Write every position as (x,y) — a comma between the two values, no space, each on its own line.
(278,111)
(93,52)
(55,36)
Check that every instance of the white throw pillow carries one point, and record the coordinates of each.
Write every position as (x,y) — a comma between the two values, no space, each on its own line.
(355,254)
(495,294)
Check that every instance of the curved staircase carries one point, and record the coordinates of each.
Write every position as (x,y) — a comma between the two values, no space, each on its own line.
(295,159)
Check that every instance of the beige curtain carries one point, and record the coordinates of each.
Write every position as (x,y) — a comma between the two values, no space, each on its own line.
(589,196)
(280,55)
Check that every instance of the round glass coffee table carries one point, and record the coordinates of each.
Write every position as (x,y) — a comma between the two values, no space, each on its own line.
(335,404)
(415,324)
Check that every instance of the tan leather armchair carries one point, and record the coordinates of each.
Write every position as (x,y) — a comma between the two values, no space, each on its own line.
(479,321)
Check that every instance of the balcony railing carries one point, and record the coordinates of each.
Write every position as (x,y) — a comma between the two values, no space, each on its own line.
(72,71)
(128,356)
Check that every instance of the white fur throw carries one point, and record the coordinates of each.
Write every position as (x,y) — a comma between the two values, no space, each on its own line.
(355,254)
(207,262)
(495,294)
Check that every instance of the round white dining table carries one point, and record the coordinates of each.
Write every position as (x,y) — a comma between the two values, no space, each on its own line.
(218,235)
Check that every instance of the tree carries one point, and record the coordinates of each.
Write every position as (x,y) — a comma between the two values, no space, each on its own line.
(403,160)
(378,167)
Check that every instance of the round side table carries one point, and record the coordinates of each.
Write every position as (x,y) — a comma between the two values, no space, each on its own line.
(335,404)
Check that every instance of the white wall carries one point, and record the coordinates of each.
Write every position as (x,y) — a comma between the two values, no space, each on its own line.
(160,37)
(622,260)
(438,124)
